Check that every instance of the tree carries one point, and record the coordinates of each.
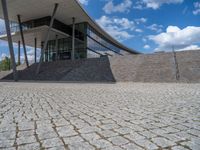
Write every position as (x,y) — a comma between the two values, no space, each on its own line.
(5,64)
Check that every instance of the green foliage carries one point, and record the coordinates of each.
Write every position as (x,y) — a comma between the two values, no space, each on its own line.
(5,64)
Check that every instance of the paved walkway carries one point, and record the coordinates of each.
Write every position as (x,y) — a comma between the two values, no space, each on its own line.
(119,116)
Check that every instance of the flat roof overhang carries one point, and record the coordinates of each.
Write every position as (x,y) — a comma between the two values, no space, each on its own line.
(34,9)
(38,33)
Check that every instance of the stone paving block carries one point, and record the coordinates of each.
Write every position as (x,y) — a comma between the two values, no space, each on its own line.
(6,143)
(171,130)
(146,144)
(107,121)
(91,136)
(118,140)
(108,133)
(26,133)
(73,140)
(89,129)
(57,148)
(26,140)
(147,134)
(26,125)
(49,143)
(60,122)
(109,126)
(47,135)
(81,146)
(123,130)
(33,146)
(112,148)
(132,146)
(100,143)
(162,142)
(134,136)
(179,148)
(66,131)
(8,135)
(174,138)
(191,145)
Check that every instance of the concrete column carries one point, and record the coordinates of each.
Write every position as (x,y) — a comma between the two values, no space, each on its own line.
(73,39)
(47,38)
(56,47)
(42,46)
(10,44)
(35,40)
(19,53)
(23,41)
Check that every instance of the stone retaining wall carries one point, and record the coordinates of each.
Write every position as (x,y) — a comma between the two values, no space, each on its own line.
(159,67)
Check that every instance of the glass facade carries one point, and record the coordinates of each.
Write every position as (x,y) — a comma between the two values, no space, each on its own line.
(88,42)
(64,45)
(97,42)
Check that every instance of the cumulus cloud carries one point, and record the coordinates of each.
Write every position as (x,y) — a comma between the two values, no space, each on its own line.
(141,20)
(119,28)
(197,8)
(139,30)
(191,47)
(155,27)
(155,4)
(178,38)
(146,46)
(84,2)
(124,6)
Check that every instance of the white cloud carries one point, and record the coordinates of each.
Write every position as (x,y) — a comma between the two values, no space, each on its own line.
(146,46)
(141,20)
(197,8)
(124,6)
(155,4)
(155,27)
(119,28)
(179,38)
(139,30)
(84,2)
(191,47)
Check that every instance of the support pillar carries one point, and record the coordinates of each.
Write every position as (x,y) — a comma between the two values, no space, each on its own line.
(23,41)
(10,44)
(19,53)
(47,38)
(56,47)
(42,46)
(73,38)
(35,50)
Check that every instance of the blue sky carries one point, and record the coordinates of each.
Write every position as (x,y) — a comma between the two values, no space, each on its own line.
(145,25)
(149,25)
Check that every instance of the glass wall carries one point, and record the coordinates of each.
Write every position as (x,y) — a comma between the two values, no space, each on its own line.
(98,42)
(86,39)
(63,51)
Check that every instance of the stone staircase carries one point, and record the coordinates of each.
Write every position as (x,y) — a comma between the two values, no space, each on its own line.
(159,67)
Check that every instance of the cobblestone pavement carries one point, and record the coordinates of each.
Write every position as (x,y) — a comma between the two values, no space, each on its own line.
(131,116)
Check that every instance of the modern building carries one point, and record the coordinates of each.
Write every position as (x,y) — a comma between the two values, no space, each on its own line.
(61,28)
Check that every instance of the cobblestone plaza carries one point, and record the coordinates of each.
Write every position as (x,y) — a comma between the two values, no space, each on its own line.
(131,116)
